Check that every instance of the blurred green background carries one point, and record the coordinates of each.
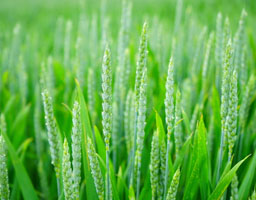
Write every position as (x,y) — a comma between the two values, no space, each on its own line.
(32,12)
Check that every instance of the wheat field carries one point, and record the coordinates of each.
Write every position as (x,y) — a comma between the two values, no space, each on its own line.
(146,99)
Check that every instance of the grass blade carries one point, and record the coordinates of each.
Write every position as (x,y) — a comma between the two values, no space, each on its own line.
(24,181)
(225,181)
(86,128)
(247,182)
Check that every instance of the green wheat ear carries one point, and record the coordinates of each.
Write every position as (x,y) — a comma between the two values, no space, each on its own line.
(107,109)
(76,148)
(140,68)
(67,173)
(169,99)
(155,165)
(107,97)
(95,169)
(224,101)
(231,121)
(172,192)
(141,122)
(225,87)
(169,118)
(52,131)
(141,63)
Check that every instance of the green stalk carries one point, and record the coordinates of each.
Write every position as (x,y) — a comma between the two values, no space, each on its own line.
(108,177)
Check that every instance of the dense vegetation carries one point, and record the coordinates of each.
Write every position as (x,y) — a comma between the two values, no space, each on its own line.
(128,100)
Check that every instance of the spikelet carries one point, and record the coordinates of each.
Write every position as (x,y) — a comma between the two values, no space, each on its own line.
(76,148)
(67,172)
(4,185)
(225,87)
(169,99)
(53,136)
(107,97)
(231,121)
(174,186)
(234,188)
(178,128)
(140,128)
(154,165)
(141,64)
(95,169)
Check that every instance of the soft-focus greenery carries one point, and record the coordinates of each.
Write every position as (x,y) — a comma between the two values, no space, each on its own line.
(59,46)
